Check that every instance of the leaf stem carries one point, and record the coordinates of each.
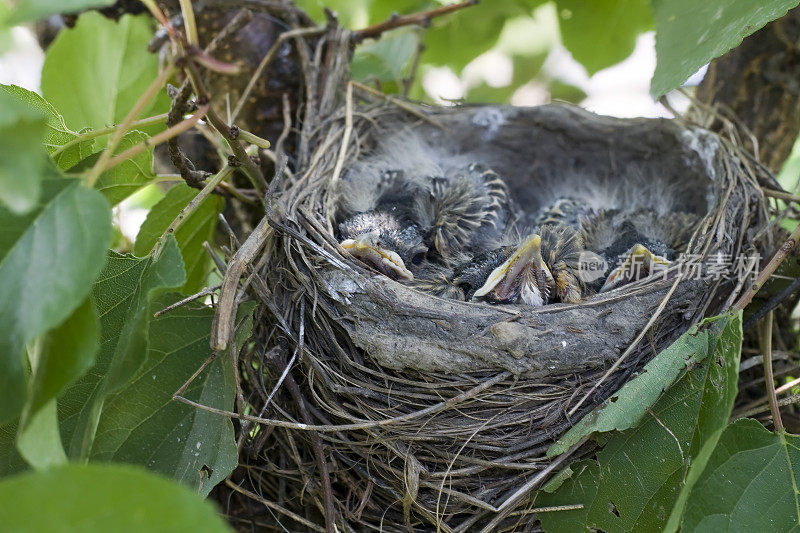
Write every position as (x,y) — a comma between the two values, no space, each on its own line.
(254,139)
(92,134)
(125,125)
(769,378)
(189,23)
(187,211)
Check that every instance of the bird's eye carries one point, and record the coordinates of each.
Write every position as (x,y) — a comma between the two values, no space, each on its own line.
(418,258)
(466,287)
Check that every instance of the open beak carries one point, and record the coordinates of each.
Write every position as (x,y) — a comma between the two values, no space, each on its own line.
(384,260)
(639,263)
(504,284)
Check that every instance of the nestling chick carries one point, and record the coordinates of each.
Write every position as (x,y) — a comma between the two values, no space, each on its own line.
(411,198)
(543,267)
(467,211)
(641,242)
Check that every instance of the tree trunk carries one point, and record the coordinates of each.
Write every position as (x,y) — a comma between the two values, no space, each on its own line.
(759,82)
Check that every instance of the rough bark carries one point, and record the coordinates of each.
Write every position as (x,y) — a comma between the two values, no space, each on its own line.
(759,82)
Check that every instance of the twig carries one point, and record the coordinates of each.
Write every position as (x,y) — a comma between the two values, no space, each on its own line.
(319,454)
(221,330)
(270,55)
(348,129)
(766,346)
(253,139)
(250,169)
(93,134)
(431,410)
(205,292)
(772,303)
(187,211)
(169,133)
(781,195)
(422,18)
(274,506)
(103,162)
(768,270)
(630,348)
(505,508)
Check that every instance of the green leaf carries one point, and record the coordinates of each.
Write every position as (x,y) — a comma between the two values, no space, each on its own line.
(22,160)
(196,228)
(11,462)
(100,498)
(455,40)
(40,442)
(386,60)
(57,134)
(142,424)
(119,182)
(638,475)
(94,73)
(603,32)
(61,356)
(626,407)
(689,34)
(121,296)
(749,483)
(48,261)
(38,9)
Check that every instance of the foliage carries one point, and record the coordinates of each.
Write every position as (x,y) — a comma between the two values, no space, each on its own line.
(749,483)
(89,371)
(89,498)
(689,34)
(640,472)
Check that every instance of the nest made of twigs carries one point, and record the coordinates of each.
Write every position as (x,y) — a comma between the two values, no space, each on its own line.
(385,408)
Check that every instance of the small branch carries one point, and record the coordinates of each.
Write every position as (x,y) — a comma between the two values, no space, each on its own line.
(159,138)
(768,270)
(422,18)
(781,195)
(250,169)
(93,134)
(348,129)
(205,292)
(772,303)
(187,211)
(766,346)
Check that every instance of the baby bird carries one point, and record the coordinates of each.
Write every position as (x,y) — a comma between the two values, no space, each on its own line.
(399,212)
(641,242)
(542,268)
(387,235)
(468,210)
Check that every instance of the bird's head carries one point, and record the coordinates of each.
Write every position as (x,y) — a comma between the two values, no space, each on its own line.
(514,274)
(380,241)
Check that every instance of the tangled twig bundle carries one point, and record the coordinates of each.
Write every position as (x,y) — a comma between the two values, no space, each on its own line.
(382,407)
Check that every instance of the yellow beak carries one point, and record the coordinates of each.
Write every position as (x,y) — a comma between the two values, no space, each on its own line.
(501,280)
(384,260)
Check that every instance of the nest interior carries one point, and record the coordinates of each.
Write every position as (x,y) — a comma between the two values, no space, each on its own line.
(431,413)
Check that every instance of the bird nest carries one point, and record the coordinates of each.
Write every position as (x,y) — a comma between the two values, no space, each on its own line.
(389,408)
